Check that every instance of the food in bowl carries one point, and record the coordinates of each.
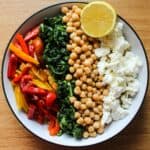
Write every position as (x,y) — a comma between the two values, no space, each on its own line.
(76,83)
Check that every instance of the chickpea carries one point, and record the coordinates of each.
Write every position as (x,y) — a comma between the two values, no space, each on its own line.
(100,130)
(89,89)
(90,94)
(100,78)
(77,39)
(88,54)
(94,90)
(105,92)
(84,87)
(101,97)
(85,134)
(92,114)
(89,103)
(94,66)
(77,104)
(71,62)
(78,11)
(69,47)
(83,94)
(81,42)
(87,63)
(93,83)
(64,10)
(74,7)
(82,57)
(83,78)
(74,45)
(87,112)
(96,117)
(87,70)
(77,50)
(76,66)
(95,71)
(78,82)
(93,56)
(72,99)
(69,24)
(84,48)
(79,32)
(76,24)
(84,37)
(90,47)
(77,90)
(82,106)
(71,69)
(83,100)
(100,108)
(98,84)
(89,81)
(73,35)
(80,120)
(77,115)
(91,129)
(69,14)
(79,72)
(75,17)
(78,61)
(70,29)
(87,120)
(93,134)
(96,110)
(68,77)
(73,55)
(95,97)
(65,19)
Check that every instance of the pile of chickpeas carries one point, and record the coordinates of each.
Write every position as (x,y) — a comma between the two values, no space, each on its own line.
(89,88)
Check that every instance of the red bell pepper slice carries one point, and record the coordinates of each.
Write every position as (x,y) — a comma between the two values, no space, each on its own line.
(22,42)
(12,66)
(24,71)
(32,34)
(53,126)
(31,111)
(33,90)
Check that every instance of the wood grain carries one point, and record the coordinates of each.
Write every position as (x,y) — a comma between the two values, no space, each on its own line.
(13,136)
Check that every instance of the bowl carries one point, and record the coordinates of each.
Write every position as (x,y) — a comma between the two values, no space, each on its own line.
(41,130)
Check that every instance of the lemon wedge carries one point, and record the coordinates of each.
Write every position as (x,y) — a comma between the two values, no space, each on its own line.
(98,19)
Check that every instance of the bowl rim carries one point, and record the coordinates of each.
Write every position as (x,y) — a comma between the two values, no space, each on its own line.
(4,91)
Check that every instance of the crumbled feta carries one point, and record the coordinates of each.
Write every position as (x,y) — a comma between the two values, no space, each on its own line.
(120,68)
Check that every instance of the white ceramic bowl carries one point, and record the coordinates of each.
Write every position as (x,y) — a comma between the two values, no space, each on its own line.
(41,130)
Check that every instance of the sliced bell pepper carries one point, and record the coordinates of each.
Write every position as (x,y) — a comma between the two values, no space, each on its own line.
(20,99)
(39,74)
(12,66)
(23,44)
(22,55)
(32,34)
(53,126)
(43,85)
(24,71)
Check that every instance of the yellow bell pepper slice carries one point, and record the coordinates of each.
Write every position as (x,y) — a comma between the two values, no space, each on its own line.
(43,85)
(39,74)
(22,55)
(20,99)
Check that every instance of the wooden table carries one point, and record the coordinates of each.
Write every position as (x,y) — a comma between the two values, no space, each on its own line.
(13,136)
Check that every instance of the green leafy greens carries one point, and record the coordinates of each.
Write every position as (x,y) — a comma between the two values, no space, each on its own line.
(55,38)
